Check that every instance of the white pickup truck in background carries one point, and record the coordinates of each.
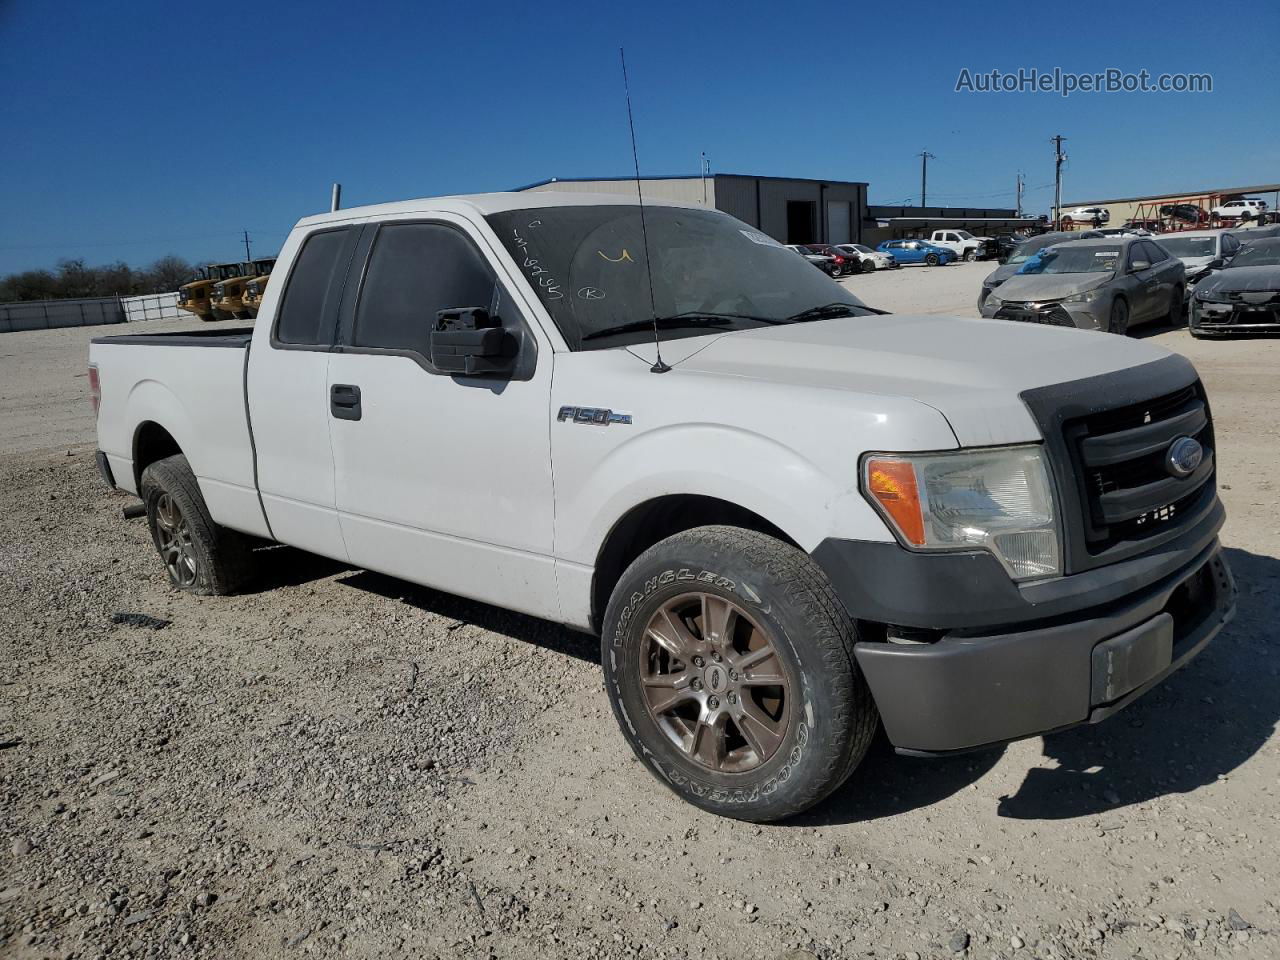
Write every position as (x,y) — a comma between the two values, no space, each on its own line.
(806,518)
(961,242)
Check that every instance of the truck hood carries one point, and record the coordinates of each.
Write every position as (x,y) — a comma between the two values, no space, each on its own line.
(972,371)
(1050,286)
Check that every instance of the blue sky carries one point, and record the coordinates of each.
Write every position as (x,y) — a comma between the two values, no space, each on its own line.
(132,130)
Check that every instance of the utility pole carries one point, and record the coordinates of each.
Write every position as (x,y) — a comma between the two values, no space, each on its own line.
(1020,185)
(248,254)
(925,157)
(1058,158)
(704,167)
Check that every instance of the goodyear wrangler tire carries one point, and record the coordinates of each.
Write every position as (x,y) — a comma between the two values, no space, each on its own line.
(729,665)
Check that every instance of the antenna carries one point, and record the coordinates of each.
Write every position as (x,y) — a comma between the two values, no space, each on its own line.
(658,366)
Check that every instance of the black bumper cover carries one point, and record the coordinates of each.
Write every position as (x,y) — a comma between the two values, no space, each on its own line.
(1007,667)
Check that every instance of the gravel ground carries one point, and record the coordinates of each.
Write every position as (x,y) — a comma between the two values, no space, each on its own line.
(339,764)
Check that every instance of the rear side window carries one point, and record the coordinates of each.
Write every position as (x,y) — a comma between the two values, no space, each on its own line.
(415,271)
(306,310)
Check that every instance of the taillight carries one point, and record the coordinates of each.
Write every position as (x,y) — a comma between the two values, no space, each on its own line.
(95,389)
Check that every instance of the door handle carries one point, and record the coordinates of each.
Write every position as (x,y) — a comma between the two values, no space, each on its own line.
(344,401)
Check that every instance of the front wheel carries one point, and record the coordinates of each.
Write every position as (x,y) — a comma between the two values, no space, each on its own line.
(970,256)
(1177,305)
(729,666)
(1118,322)
(868,266)
(932,260)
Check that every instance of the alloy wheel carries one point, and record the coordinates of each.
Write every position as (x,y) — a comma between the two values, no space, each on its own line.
(173,539)
(713,682)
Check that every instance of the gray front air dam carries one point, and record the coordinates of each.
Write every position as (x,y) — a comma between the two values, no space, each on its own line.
(964,692)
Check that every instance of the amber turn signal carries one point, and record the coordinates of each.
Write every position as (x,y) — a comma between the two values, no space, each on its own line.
(892,483)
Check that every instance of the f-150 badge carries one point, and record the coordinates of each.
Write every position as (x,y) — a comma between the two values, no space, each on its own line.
(597,416)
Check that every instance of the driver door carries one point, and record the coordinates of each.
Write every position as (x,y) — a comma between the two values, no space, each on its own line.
(444,480)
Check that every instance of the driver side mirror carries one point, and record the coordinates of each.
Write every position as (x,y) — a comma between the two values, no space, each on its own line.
(467,341)
(1216,264)
(1139,265)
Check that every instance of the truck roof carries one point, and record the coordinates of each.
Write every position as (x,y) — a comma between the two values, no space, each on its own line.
(484,204)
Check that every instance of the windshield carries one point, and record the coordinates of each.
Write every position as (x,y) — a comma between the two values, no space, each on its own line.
(1027,247)
(1068,259)
(964,234)
(587,264)
(1257,254)
(1187,247)
(860,248)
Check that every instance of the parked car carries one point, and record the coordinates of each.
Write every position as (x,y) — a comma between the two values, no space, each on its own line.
(917,251)
(844,264)
(1023,252)
(1097,216)
(1104,284)
(1184,212)
(961,242)
(1243,296)
(1118,232)
(1244,209)
(1147,224)
(827,264)
(1201,252)
(1005,244)
(815,523)
(867,258)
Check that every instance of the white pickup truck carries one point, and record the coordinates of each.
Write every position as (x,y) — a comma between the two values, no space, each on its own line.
(960,242)
(805,519)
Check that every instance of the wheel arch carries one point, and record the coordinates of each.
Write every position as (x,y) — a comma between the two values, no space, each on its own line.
(656,519)
(151,442)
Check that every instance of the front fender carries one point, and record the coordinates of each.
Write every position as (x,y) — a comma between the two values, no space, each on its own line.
(729,463)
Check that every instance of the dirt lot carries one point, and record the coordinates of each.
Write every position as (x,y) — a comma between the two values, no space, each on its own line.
(343,765)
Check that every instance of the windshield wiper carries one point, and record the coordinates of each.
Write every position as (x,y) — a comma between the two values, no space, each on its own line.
(830,311)
(694,318)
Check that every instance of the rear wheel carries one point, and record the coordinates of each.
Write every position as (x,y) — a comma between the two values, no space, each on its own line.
(729,665)
(932,260)
(199,555)
(1118,323)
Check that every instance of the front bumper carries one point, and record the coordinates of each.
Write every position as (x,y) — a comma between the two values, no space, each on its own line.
(1209,317)
(1054,313)
(1079,657)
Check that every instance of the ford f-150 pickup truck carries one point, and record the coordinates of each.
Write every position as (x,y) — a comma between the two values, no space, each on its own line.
(788,516)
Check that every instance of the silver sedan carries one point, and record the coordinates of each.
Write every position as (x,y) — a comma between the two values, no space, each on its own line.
(1105,284)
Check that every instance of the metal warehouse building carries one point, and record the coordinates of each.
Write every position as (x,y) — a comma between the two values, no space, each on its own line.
(788,209)
(795,210)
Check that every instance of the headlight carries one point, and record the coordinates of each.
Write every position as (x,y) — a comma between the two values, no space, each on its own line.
(1210,296)
(998,499)
(994,302)
(1087,297)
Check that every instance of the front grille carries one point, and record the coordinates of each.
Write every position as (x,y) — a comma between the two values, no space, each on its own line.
(1129,494)
(1052,314)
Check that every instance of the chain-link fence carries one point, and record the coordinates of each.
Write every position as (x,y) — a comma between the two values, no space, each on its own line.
(154,306)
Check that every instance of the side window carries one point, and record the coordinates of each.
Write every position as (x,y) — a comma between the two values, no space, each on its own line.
(306,307)
(1153,251)
(1229,245)
(415,271)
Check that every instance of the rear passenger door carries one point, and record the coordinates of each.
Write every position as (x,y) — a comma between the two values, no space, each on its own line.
(286,386)
(442,479)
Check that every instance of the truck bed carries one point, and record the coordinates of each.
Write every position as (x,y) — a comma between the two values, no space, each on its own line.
(197,397)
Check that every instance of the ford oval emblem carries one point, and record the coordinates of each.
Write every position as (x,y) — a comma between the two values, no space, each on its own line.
(1184,456)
